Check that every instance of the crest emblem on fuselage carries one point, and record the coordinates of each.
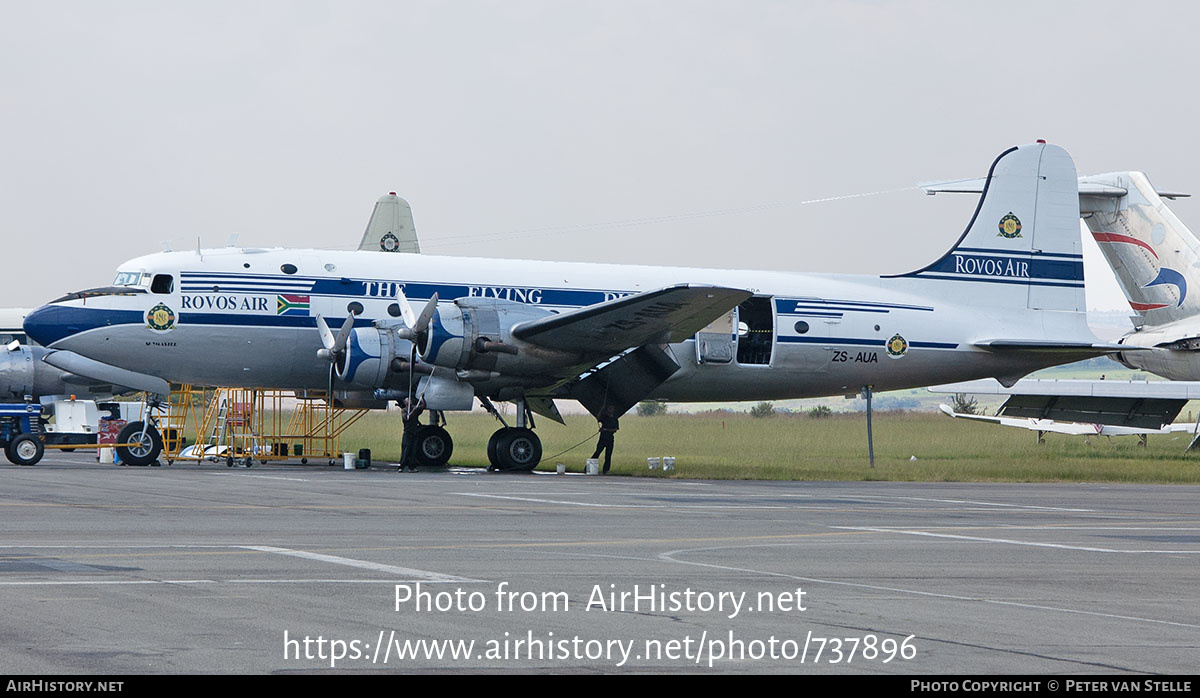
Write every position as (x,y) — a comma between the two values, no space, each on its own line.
(389,243)
(160,318)
(897,346)
(1010,226)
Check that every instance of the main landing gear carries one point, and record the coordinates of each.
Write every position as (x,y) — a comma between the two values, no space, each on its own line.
(514,449)
(433,445)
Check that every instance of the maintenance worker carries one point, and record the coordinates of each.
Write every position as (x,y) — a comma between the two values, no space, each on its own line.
(412,424)
(608,427)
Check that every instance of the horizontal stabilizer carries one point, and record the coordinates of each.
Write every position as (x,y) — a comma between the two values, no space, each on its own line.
(104,373)
(1086,188)
(668,315)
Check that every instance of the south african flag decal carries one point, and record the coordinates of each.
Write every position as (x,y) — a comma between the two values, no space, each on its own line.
(292,305)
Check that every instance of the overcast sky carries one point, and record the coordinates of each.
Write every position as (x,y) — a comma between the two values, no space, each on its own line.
(683,132)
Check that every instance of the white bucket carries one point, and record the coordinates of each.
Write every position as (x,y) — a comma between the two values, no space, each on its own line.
(348,460)
(106,456)
(593,466)
(560,468)
(652,463)
(668,462)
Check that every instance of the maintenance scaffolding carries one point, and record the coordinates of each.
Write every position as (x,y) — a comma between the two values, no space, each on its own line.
(241,425)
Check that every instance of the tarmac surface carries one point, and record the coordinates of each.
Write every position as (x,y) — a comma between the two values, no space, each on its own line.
(202,568)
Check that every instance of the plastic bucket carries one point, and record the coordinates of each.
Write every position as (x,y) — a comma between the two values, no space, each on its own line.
(668,462)
(652,463)
(593,466)
(348,461)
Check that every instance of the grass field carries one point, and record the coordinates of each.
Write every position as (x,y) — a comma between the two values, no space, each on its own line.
(798,447)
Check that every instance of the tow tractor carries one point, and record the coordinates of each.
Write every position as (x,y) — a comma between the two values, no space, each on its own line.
(25,433)
(21,432)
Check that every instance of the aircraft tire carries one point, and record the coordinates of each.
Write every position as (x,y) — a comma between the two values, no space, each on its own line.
(25,449)
(145,452)
(493,443)
(434,446)
(519,450)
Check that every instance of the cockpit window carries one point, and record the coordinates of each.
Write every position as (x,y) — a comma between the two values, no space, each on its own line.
(105,291)
(163,283)
(131,278)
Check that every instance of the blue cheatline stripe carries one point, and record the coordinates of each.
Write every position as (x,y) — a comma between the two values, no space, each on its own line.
(986,280)
(813,314)
(1023,253)
(863,342)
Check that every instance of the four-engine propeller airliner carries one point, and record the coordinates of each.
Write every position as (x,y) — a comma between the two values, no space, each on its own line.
(1005,300)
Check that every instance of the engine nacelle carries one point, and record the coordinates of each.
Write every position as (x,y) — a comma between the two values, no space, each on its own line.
(22,372)
(473,334)
(368,357)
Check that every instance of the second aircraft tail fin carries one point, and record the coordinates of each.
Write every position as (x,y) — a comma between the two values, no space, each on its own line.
(1155,257)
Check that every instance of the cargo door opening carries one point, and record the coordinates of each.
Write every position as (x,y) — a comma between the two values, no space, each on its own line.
(756,331)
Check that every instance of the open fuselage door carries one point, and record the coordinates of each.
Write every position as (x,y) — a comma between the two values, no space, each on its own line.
(746,333)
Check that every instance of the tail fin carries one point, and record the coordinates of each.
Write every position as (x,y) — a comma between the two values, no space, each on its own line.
(1022,248)
(1154,255)
(391,227)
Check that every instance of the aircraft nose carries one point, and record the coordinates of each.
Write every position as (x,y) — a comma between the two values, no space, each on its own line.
(50,323)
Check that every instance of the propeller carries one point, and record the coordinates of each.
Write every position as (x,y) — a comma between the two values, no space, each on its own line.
(417,326)
(333,347)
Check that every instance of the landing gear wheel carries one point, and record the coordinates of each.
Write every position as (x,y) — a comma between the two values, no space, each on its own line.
(518,450)
(26,449)
(146,447)
(434,446)
(493,443)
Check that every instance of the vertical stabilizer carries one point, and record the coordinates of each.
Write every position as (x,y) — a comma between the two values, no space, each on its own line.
(391,227)
(1155,257)
(1022,248)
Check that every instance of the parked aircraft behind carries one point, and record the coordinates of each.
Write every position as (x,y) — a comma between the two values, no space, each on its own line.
(24,374)
(1087,407)
(1007,299)
(1156,260)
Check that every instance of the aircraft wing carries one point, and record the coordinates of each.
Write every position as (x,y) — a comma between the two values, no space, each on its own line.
(1136,404)
(667,315)
(1069,428)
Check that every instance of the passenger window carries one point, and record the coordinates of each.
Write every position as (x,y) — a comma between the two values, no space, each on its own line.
(288,269)
(163,283)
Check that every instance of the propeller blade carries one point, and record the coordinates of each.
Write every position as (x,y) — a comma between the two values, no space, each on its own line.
(327,340)
(339,343)
(406,309)
(426,315)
